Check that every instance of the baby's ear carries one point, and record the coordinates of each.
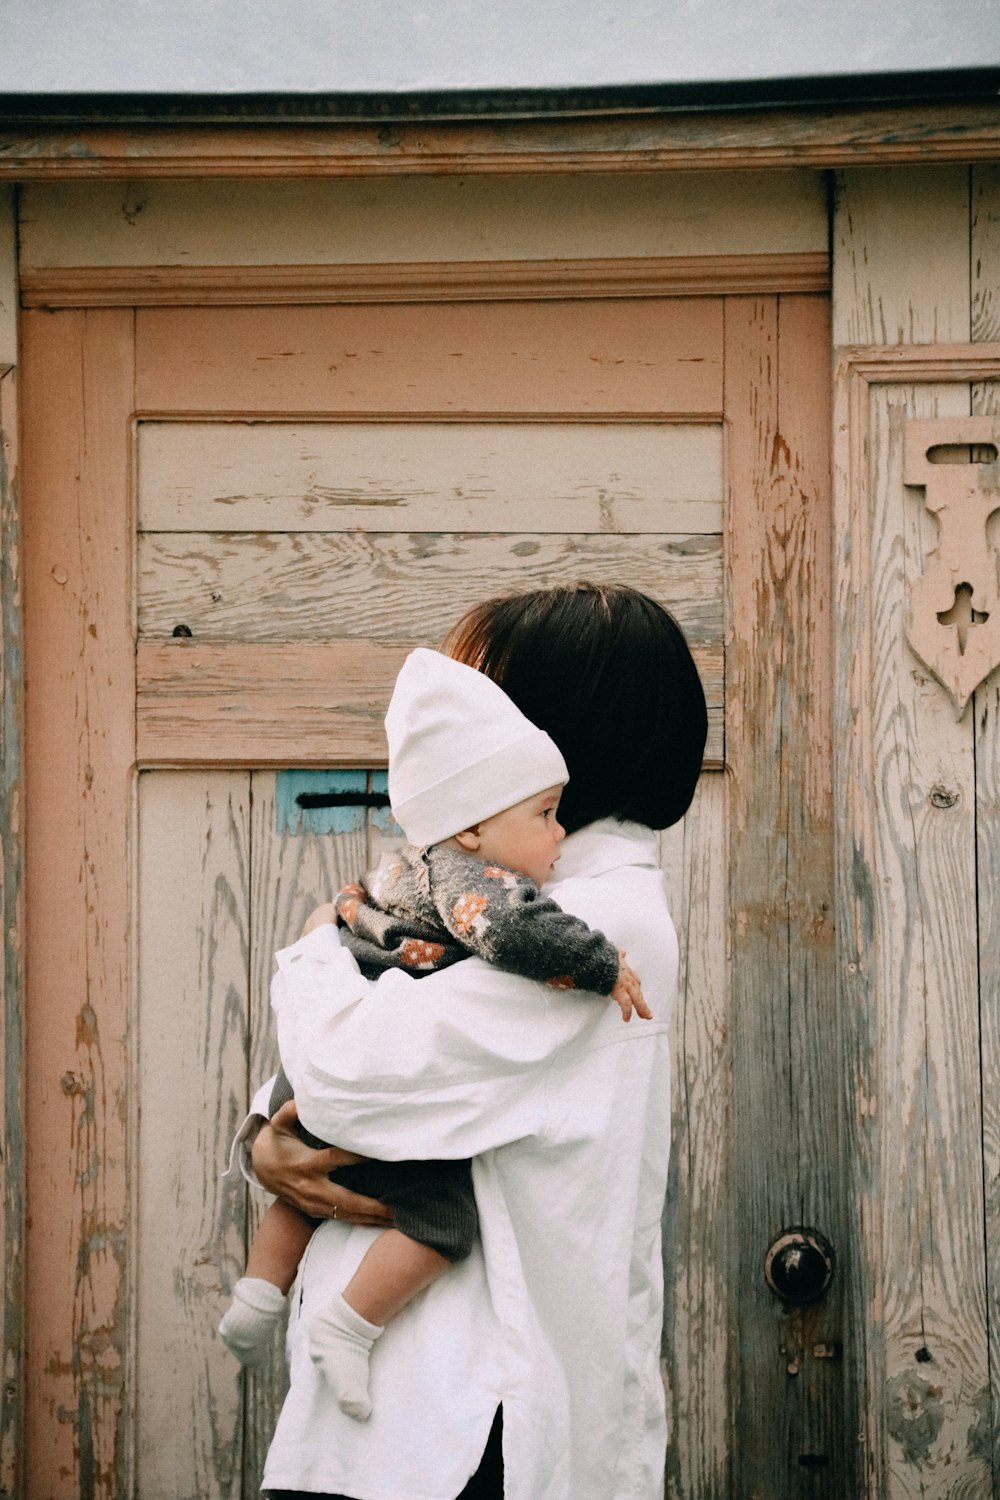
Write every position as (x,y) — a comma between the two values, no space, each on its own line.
(469,840)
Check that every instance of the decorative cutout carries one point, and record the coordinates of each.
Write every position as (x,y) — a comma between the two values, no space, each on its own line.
(954,618)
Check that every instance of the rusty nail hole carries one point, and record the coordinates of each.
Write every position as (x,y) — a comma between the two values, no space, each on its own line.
(182,630)
(923,1356)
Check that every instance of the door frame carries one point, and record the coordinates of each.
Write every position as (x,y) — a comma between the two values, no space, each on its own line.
(78,402)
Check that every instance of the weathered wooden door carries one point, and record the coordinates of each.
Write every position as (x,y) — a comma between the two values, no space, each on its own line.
(237,520)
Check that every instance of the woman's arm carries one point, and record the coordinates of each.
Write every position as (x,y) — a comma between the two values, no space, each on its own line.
(298,1174)
(454,1064)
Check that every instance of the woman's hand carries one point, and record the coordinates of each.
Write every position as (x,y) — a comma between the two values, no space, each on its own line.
(297,1174)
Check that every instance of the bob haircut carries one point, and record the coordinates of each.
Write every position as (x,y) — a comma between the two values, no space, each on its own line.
(606,671)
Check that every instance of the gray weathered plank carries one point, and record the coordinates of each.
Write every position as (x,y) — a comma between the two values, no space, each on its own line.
(270,587)
(986,730)
(793,1407)
(292,872)
(194,879)
(430,476)
(901,255)
(12,956)
(698,1292)
(984,259)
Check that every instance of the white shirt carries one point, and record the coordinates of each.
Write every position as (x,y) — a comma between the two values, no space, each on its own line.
(566,1110)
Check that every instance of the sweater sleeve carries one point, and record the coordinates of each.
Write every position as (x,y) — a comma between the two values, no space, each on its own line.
(499,916)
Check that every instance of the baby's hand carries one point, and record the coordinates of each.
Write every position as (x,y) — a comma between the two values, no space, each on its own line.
(627,992)
(325,913)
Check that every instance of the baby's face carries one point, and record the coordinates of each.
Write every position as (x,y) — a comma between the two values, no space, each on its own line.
(525,837)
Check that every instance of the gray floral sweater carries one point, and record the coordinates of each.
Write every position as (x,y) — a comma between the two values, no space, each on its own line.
(423,909)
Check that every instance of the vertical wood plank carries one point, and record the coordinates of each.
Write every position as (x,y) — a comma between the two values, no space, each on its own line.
(698,1293)
(12,952)
(984,258)
(191,1077)
(929,1378)
(11,902)
(985,263)
(293,870)
(793,1410)
(8,278)
(906,881)
(79,754)
(901,255)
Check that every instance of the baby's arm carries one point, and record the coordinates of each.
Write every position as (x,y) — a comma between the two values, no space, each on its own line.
(499,915)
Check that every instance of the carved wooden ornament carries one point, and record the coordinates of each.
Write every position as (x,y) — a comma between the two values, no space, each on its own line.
(954,616)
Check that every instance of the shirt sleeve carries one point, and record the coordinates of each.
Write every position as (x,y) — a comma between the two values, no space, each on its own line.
(499,916)
(449,1065)
(240,1159)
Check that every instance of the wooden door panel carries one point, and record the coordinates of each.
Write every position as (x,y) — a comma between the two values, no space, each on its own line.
(222,884)
(78,762)
(292,664)
(192,1024)
(399,586)
(920,1063)
(487,357)
(792,1400)
(697,1216)
(319,476)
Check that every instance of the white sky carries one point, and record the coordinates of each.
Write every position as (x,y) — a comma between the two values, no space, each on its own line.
(363,46)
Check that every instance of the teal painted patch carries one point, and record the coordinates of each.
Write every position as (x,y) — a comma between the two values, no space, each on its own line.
(350,817)
(290,817)
(382,817)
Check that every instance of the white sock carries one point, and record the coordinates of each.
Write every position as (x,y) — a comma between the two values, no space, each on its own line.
(340,1341)
(251,1318)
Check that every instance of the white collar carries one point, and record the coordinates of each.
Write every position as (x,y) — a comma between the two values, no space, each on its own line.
(603,846)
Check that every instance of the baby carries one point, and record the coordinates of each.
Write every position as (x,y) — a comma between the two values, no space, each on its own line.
(475,787)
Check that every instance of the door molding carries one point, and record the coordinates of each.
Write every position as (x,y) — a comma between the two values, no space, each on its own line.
(429,281)
(824,137)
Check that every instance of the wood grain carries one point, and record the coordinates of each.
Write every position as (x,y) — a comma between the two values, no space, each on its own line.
(489,358)
(792,1409)
(901,256)
(8,280)
(465,281)
(907,917)
(79,754)
(12,1140)
(292,873)
(733,139)
(303,703)
(335,221)
(933,1289)
(699,1296)
(399,586)
(193,967)
(429,476)
(984,258)
(985,263)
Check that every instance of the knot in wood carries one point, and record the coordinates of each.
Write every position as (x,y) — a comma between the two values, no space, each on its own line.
(941,796)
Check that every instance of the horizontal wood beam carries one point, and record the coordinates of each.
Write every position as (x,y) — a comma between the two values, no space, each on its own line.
(809,137)
(297,704)
(433,281)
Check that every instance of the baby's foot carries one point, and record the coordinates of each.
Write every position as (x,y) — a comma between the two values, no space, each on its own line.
(340,1341)
(251,1318)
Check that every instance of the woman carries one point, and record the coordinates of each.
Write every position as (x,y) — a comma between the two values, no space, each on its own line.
(564,1108)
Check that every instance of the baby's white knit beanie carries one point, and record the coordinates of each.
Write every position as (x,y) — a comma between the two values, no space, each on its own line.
(459,749)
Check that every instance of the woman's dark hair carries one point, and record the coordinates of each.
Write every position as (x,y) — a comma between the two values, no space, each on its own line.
(607,673)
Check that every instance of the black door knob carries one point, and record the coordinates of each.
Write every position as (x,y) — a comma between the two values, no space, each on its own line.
(798,1267)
